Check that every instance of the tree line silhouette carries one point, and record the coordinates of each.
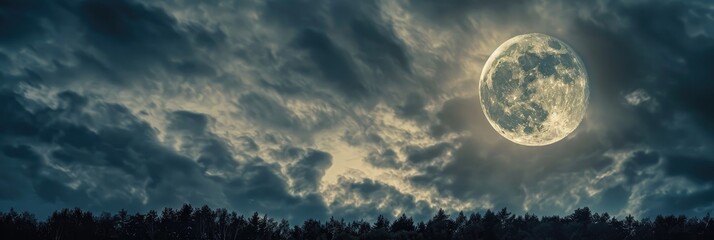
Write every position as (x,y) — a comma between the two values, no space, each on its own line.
(219,224)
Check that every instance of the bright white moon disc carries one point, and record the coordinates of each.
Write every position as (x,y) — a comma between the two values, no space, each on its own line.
(534,89)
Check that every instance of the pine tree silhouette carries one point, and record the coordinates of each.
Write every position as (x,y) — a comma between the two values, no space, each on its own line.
(220,224)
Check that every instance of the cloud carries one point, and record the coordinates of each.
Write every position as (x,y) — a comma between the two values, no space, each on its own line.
(413,108)
(264,110)
(335,66)
(633,169)
(416,155)
(696,169)
(385,159)
(308,171)
(25,12)
(637,97)
(103,164)
(458,115)
(192,123)
(210,151)
(366,198)
(99,164)
(272,105)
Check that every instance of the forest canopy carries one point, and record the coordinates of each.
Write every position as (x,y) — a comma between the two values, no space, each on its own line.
(188,222)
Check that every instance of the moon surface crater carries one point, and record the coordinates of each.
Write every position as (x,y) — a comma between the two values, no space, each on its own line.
(534,89)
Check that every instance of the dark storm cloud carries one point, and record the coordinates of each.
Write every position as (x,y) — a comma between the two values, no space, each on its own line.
(376,198)
(308,171)
(271,112)
(261,189)
(467,175)
(614,199)
(340,38)
(695,203)
(118,26)
(380,48)
(413,108)
(681,55)
(334,64)
(457,15)
(283,12)
(654,51)
(697,169)
(105,145)
(268,112)
(25,161)
(20,21)
(455,9)
(458,115)
(416,155)
(263,109)
(133,37)
(633,169)
(120,42)
(127,149)
(212,151)
(193,123)
(652,54)
(385,159)
(255,184)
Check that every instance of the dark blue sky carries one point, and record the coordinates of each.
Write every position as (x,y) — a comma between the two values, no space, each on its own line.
(316,108)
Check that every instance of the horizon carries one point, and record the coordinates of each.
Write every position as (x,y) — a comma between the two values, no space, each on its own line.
(205,223)
(451,215)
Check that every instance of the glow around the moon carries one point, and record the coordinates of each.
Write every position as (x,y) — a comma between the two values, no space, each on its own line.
(534,89)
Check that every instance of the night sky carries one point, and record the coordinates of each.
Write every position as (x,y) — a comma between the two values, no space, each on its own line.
(345,108)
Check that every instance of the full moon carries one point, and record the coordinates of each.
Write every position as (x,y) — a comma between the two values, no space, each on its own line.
(534,89)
